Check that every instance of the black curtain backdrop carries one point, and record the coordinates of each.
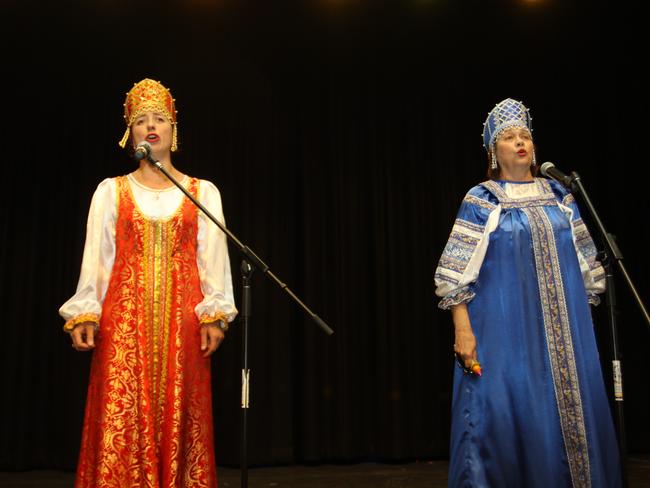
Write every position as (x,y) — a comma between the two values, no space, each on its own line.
(343,135)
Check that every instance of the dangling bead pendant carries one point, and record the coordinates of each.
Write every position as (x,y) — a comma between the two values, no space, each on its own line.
(493,158)
(534,162)
(174,146)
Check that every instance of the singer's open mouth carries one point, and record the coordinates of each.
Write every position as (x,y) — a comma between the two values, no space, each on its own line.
(153,138)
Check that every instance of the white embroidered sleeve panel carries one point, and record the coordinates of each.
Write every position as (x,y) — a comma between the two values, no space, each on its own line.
(463,255)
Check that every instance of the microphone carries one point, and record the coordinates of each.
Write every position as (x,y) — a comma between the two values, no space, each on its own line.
(550,171)
(143,151)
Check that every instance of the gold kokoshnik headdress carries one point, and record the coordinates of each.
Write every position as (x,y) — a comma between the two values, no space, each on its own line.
(149,96)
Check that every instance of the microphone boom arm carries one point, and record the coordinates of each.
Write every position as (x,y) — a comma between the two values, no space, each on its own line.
(249,255)
(611,247)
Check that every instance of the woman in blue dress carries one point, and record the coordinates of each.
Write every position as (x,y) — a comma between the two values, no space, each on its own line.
(519,272)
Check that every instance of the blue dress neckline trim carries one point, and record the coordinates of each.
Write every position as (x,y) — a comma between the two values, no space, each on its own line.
(515,182)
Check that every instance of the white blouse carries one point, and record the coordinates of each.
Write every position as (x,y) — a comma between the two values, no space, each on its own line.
(99,250)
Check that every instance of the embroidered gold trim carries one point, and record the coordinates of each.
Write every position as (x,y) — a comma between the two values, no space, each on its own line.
(80,319)
(209,318)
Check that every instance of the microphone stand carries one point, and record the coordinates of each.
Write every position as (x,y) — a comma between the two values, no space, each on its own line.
(617,374)
(250,261)
(612,253)
(611,248)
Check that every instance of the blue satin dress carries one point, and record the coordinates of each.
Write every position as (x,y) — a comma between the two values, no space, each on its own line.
(539,415)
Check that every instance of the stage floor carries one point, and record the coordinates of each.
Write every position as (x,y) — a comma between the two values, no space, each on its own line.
(431,474)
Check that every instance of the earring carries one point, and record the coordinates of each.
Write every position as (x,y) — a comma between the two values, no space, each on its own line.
(125,137)
(534,162)
(493,160)
(174,147)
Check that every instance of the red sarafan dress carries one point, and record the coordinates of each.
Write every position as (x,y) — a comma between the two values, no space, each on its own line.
(148,418)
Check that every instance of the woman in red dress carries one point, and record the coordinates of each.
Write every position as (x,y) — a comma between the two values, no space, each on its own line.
(153,302)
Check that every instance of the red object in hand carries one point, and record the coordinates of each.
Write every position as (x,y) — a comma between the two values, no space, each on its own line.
(476,368)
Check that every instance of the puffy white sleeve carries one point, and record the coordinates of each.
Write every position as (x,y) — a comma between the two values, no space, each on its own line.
(213,262)
(593,273)
(463,255)
(98,258)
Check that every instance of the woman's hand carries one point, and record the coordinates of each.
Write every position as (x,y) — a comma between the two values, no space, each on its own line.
(465,348)
(465,341)
(83,336)
(211,338)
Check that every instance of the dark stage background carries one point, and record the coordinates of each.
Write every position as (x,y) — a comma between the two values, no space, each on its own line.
(343,136)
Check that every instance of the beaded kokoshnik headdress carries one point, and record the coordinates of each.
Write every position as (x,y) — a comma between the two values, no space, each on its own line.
(505,114)
(149,96)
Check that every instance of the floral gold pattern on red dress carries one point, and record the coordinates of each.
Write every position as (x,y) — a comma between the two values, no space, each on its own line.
(148,420)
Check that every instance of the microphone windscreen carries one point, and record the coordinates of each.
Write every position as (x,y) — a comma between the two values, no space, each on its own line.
(142,150)
(545,167)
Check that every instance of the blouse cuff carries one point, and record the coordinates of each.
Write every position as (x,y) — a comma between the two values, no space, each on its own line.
(593,299)
(462,295)
(208,319)
(80,319)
